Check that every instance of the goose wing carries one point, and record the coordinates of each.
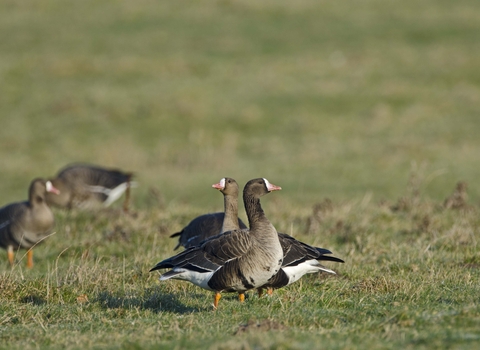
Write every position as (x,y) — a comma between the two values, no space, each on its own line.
(191,259)
(5,224)
(212,254)
(296,252)
(11,216)
(201,228)
(228,246)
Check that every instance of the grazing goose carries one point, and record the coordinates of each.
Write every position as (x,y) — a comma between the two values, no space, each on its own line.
(208,225)
(84,186)
(25,224)
(234,261)
(298,258)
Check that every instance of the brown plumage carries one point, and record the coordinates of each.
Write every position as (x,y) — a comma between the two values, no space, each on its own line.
(84,186)
(237,260)
(25,224)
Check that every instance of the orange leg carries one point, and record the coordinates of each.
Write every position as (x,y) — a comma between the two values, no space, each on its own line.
(241,297)
(30,258)
(260,292)
(10,255)
(269,290)
(216,299)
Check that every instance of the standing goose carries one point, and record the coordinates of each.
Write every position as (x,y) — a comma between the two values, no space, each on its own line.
(298,258)
(237,260)
(83,186)
(229,188)
(25,224)
(208,225)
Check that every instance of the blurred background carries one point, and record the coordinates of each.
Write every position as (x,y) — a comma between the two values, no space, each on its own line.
(338,99)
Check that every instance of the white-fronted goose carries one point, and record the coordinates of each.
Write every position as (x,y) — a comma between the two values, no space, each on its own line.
(229,189)
(25,224)
(84,185)
(209,225)
(237,260)
(298,258)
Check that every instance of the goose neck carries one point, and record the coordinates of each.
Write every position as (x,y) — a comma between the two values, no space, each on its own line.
(254,211)
(230,220)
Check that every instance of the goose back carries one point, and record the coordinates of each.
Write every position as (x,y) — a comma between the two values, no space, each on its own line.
(202,228)
(84,186)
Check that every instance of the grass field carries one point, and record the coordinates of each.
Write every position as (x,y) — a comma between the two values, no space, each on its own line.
(372,104)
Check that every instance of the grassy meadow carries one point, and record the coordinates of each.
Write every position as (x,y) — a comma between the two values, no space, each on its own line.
(367,113)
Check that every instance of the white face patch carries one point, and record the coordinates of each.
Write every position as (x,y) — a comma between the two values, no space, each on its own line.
(271,187)
(220,186)
(267,183)
(49,187)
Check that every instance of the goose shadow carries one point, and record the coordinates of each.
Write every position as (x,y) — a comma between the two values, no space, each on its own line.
(152,299)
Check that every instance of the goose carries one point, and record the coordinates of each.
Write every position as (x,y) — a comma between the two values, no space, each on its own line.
(25,224)
(229,189)
(208,225)
(235,261)
(85,185)
(298,258)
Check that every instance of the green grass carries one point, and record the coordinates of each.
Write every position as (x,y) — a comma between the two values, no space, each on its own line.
(410,280)
(371,103)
